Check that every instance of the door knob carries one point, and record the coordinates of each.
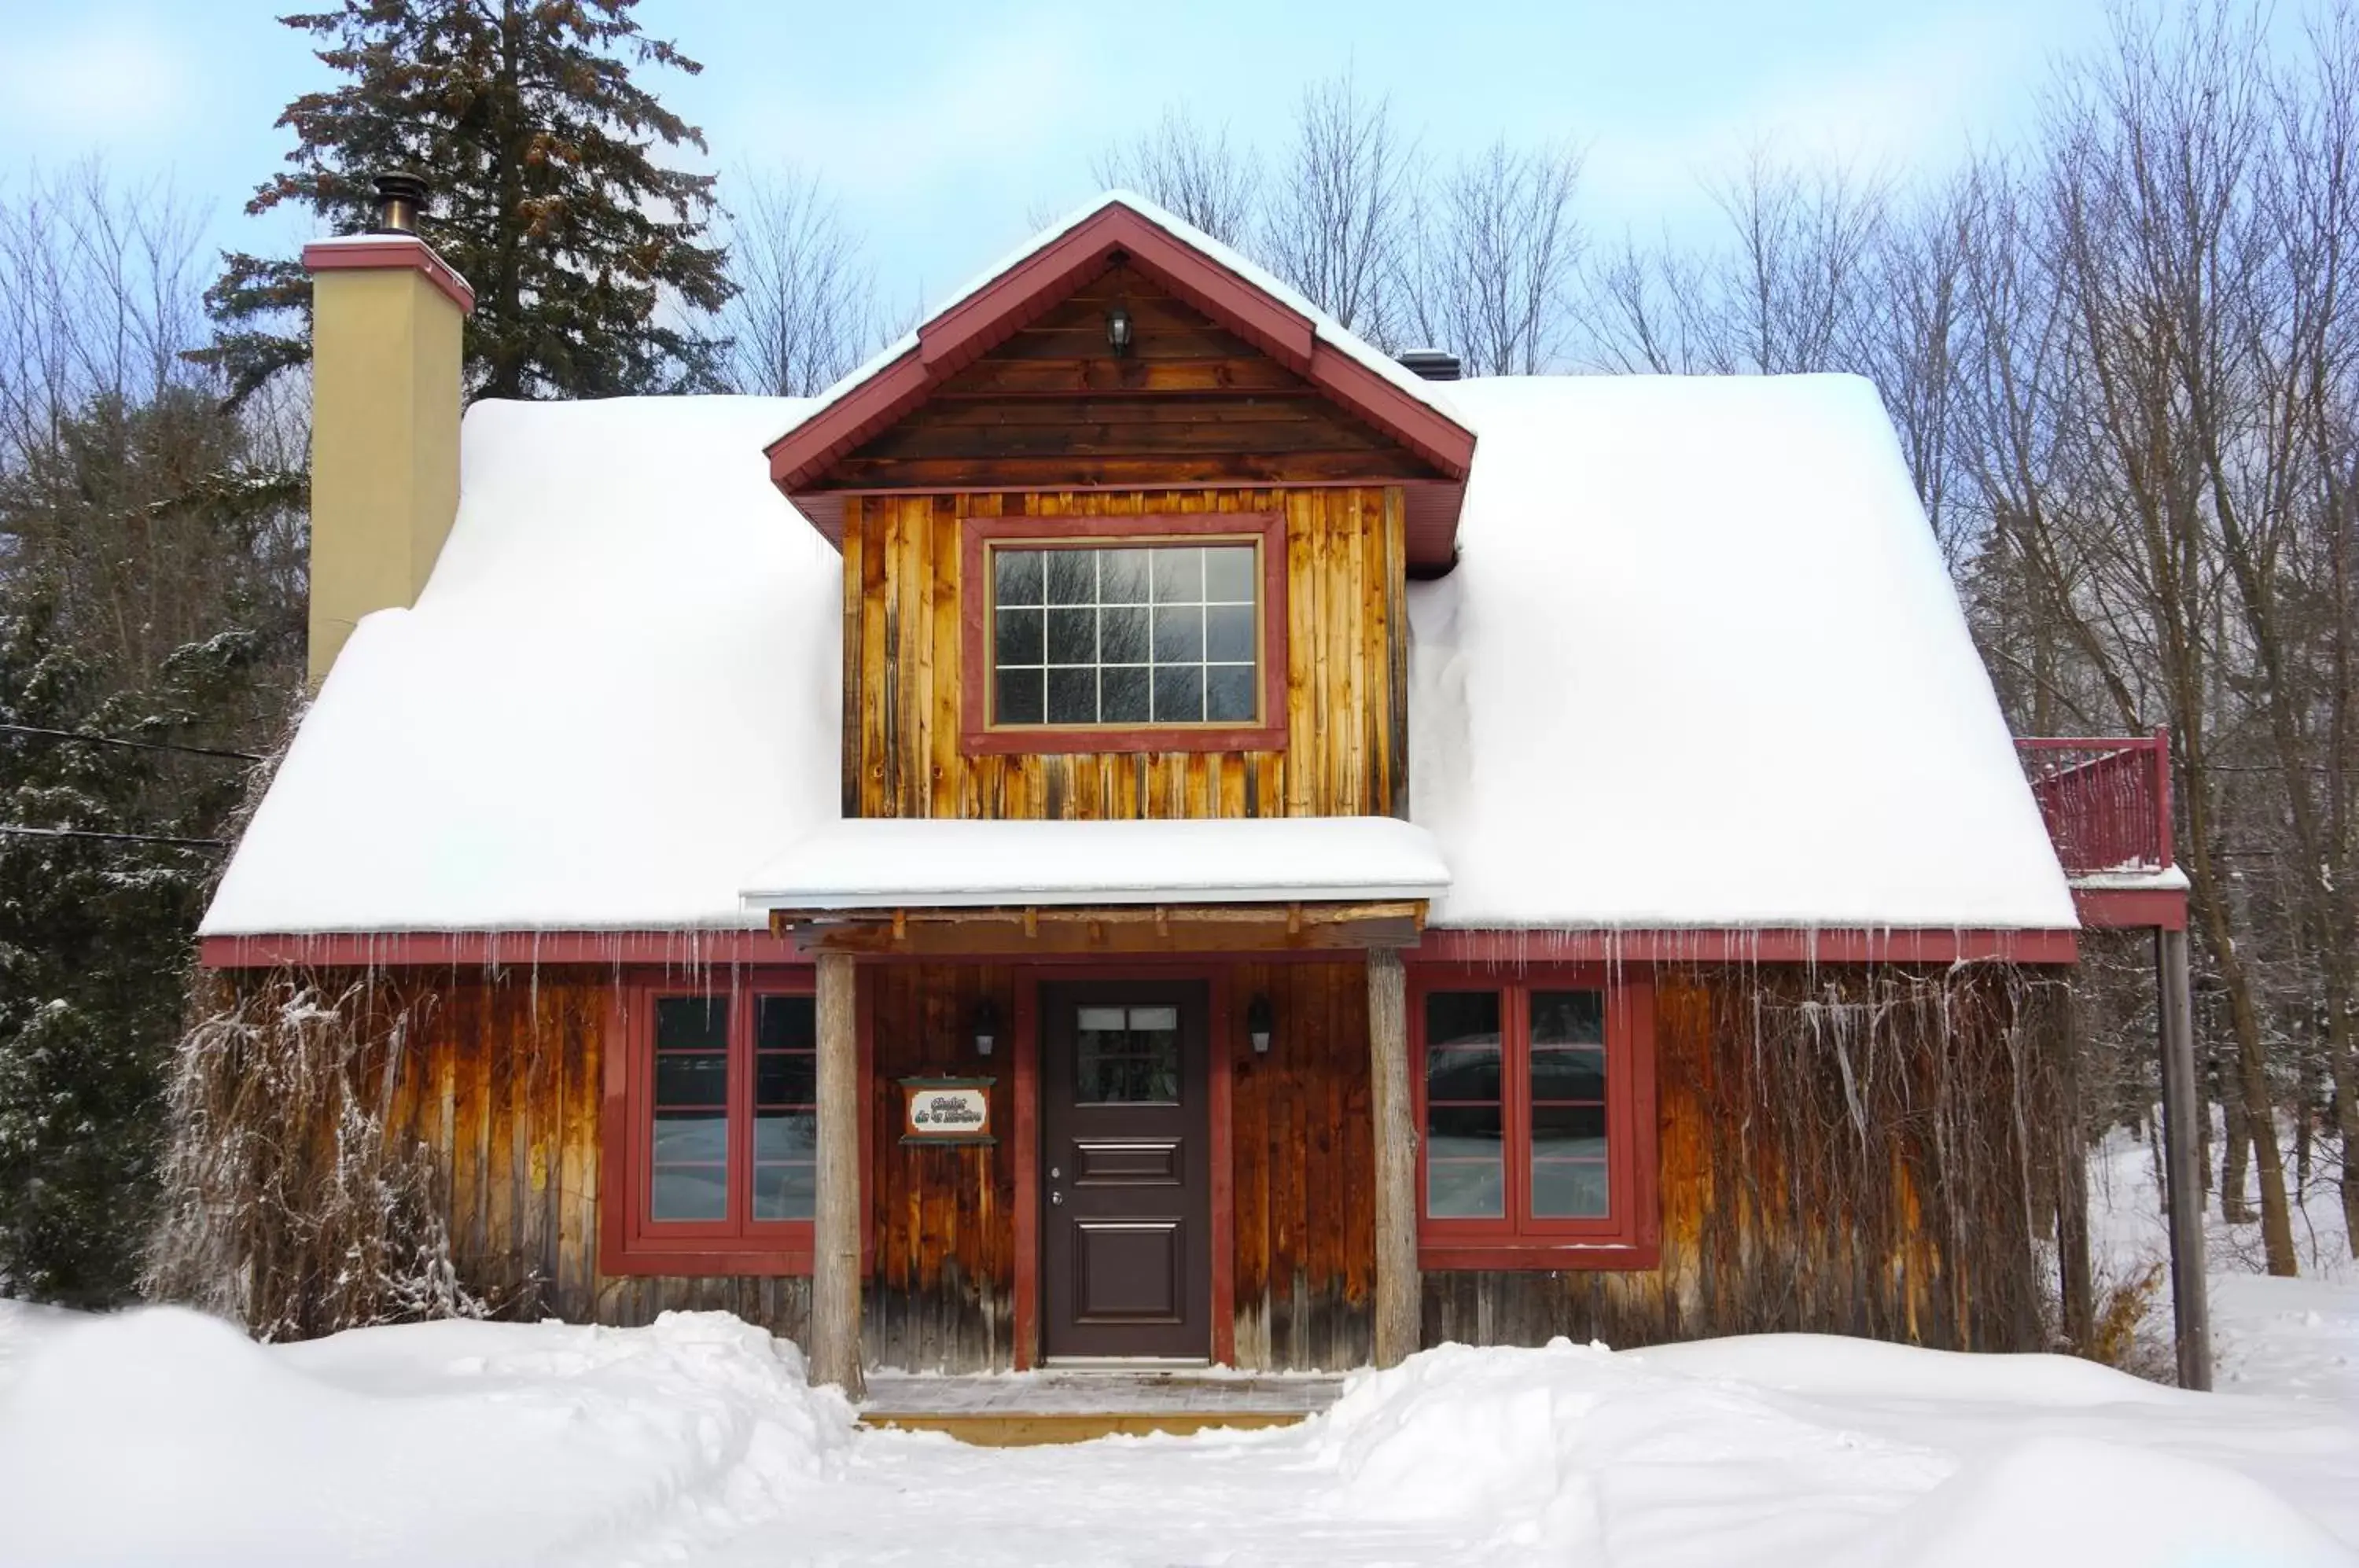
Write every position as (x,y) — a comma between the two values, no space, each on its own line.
(1055,1198)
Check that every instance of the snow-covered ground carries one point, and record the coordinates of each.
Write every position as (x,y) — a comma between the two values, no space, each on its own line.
(2274,1337)
(160,1437)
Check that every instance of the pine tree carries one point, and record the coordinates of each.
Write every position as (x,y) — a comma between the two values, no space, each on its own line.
(141,603)
(585,253)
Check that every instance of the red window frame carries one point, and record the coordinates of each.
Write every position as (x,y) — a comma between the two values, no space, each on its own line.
(1629,1235)
(979,736)
(631,1240)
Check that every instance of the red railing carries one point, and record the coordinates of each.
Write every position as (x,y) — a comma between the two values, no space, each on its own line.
(2106,801)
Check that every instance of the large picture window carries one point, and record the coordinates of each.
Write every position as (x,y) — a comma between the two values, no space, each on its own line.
(1161,632)
(710,1160)
(1535,1103)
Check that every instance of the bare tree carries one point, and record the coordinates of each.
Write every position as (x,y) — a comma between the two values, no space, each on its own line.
(1338,218)
(1496,252)
(805,311)
(1788,290)
(1193,173)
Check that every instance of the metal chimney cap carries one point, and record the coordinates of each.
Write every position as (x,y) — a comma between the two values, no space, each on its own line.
(400,198)
(1430,363)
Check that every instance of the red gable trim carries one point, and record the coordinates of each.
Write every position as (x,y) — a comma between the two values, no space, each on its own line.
(1001,308)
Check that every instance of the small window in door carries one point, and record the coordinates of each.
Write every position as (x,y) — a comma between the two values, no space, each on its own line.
(1126,1056)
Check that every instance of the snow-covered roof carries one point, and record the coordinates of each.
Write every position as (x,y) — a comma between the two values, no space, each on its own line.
(885,863)
(1700,663)
(616,696)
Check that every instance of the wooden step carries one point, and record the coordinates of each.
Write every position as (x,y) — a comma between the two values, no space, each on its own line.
(1006,1410)
(1027,1429)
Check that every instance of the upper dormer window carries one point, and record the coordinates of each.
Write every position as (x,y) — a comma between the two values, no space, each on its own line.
(1128,634)
(1125,634)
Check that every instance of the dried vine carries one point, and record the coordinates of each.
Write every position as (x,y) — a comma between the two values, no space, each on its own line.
(293,1205)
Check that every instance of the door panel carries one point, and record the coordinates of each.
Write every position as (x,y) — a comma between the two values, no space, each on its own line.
(1126,1199)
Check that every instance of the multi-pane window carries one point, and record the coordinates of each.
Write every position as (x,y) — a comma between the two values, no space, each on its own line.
(1126,1056)
(1134,635)
(732,1106)
(1523,1098)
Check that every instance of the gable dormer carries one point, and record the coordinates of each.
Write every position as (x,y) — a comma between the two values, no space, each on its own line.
(1126,530)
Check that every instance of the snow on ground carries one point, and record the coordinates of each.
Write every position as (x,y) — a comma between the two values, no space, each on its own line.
(2272,1336)
(160,1437)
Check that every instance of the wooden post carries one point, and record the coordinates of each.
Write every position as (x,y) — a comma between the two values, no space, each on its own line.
(2184,1189)
(835,1260)
(2072,1173)
(1398,1330)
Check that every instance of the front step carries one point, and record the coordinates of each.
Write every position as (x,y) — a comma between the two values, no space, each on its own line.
(1025,1409)
(1036,1428)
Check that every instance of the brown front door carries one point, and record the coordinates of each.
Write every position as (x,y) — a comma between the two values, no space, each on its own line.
(1125,1188)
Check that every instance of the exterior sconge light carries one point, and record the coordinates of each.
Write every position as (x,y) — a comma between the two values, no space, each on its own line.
(1259,1019)
(1118,329)
(987,1027)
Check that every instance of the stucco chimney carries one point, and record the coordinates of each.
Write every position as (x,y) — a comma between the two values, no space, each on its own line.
(385,416)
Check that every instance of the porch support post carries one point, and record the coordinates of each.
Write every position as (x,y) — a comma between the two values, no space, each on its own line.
(1397,1330)
(836,1259)
(2184,1178)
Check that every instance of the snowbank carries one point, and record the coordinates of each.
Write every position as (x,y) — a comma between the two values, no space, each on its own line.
(1806,1450)
(162,1436)
(1700,663)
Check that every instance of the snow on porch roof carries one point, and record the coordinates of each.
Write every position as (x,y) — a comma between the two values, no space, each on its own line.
(885,863)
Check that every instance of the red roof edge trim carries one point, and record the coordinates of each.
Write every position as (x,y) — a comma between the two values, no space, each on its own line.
(1002,307)
(1780,944)
(372,950)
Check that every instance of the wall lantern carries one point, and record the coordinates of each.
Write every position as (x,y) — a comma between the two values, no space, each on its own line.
(987,1027)
(1259,1019)
(1118,329)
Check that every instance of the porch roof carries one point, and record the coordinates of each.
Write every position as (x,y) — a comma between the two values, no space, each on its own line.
(899,863)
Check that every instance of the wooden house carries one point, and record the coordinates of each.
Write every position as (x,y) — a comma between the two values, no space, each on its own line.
(1138,827)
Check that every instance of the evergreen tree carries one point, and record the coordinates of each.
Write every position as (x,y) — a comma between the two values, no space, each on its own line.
(141,603)
(585,253)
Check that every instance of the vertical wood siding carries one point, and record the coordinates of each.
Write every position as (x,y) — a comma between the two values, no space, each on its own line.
(1900,1208)
(1305,1169)
(1346,702)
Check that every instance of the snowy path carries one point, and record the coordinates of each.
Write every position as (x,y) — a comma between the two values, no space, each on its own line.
(160,1438)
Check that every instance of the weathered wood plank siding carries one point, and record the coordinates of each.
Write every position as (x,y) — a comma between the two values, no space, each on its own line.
(942,1293)
(1347,698)
(1842,1151)
(1304,1163)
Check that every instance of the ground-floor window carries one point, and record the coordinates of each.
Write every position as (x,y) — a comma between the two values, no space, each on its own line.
(711,1146)
(1535,1107)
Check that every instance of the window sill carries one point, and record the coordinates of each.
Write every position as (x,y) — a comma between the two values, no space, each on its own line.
(1549,1255)
(713,1256)
(1076,742)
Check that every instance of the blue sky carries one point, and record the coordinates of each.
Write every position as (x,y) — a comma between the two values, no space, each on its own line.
(942,126)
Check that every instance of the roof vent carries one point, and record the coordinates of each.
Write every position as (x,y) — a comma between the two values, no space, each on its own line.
(400,197)
(1433,364)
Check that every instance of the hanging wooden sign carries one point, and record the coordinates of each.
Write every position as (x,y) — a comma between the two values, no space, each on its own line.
(946,1110)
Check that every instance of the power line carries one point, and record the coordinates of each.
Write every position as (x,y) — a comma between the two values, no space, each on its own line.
(117,837)
(41,734)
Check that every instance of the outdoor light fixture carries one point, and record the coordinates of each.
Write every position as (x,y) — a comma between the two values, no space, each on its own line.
(986,1026)
(1259,1018)
(1118,329)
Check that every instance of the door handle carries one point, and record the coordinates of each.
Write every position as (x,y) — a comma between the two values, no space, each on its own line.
(1056,1198)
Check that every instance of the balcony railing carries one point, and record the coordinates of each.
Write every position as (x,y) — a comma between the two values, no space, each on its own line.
(2106,801)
